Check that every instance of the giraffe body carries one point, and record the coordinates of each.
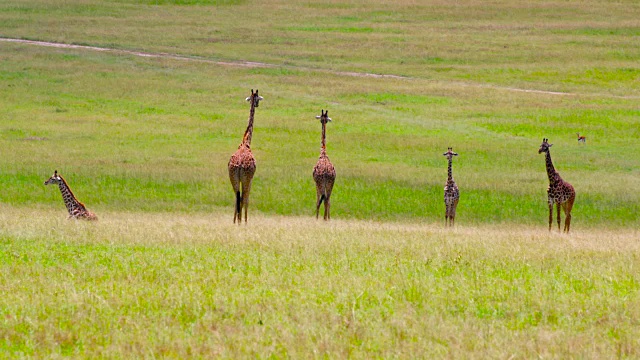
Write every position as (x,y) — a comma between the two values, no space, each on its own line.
(451,192)
(242,165)
(559,192)
(76,209)
(324,174)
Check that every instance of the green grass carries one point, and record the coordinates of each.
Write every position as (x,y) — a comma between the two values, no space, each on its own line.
(144,143)
(136,134)
(196,285)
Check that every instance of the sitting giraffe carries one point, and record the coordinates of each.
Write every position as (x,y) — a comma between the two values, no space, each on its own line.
(76,209)
(242,165)
(559,191)
(451,192)
(324,173)
(581,139)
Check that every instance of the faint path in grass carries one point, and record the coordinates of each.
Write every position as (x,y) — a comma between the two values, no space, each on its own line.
(253,64)
(248,64)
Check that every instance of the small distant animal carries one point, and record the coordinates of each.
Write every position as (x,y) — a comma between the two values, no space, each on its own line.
(581,139)
(76,209)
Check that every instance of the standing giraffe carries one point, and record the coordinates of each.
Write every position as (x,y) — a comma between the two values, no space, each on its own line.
(76,209)
(559,191)
(581,139)
(324,173)
(451,192)
(242,165)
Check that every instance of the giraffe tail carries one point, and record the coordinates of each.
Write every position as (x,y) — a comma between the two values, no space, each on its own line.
(238,202)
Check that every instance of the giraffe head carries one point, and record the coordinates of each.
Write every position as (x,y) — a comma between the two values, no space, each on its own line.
(324,116)
(449,154)
(545,146)
(54,179)
(255,98)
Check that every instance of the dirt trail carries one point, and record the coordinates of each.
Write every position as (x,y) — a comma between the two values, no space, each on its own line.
(253,64)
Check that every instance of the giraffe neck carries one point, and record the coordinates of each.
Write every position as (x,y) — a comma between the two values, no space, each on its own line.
(551,171)
(70,200)
(246,139)
(449,171)
(323,142)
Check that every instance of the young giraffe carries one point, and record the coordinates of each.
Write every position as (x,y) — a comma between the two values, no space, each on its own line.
(559,192)
(76,209)
(581,139)
(324,173)
(242,165)
(451,192)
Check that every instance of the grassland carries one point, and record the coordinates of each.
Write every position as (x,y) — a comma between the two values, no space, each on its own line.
(167,285)
(144,142)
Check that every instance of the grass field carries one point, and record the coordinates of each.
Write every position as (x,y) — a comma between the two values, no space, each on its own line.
(144,143)
(166,285)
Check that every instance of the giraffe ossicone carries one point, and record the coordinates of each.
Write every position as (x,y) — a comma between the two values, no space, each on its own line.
(76,209)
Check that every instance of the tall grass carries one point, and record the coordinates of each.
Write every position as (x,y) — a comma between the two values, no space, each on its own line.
(171,285)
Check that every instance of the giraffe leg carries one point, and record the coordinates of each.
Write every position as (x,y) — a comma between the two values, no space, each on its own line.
(327,200)
(234,176)
(567,218)
(447,216)
(327,208)
(319,198)
(559,221)
(237,214)
(453,212)
(246,189)
(567,212)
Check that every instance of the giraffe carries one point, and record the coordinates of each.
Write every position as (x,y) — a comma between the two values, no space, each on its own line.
(76,209)
(451,192)
(324,173)
(559,191)
(242,165)
(581,139)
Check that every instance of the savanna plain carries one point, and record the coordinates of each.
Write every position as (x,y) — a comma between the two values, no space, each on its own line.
(142,118)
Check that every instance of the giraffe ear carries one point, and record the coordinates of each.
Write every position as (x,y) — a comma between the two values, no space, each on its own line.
(550,145)
(318,116)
